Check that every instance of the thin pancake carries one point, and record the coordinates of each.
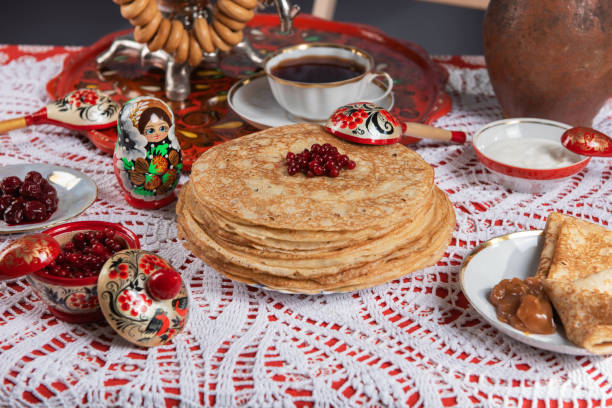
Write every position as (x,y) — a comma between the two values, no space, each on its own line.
(283,239)
(247,178)
(408,257)
(551,232)
(414,257)
(582,248)
(579,282)
(358,252)
(585,308)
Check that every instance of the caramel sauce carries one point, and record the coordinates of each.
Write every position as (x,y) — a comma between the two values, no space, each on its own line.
(523,305)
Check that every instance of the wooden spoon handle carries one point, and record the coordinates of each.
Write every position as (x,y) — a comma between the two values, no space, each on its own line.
(430,132)
(12,124)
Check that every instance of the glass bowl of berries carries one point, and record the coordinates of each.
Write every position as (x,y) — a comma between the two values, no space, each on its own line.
(68,281)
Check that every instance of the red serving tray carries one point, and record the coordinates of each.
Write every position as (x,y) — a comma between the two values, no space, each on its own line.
(205,120)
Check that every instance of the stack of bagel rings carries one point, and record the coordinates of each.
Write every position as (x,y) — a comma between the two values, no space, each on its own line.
(158,32)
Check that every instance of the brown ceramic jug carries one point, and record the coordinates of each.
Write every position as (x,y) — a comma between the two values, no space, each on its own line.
(550,58)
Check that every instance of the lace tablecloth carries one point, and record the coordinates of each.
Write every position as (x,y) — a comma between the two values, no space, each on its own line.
(413,341)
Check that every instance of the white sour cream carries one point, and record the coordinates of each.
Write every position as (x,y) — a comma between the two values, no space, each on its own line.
(531,153)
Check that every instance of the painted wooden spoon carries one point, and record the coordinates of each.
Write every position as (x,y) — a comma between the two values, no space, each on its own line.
(587,142)
(366,123)
(82,109)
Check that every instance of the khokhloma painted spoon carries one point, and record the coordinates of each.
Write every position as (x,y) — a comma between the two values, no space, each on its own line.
(366,123)
(82,109)
(587,142)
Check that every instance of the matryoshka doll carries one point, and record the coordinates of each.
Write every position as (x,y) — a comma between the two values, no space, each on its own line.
(147,158)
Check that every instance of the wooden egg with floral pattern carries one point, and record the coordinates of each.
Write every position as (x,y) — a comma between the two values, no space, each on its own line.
(147,159)
(143,298)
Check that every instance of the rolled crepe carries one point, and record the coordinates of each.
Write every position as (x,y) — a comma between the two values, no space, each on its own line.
(551,233)
(585,308)
(579,282)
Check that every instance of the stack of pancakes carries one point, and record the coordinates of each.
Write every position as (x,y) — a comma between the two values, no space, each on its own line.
(245,216)
(576,268)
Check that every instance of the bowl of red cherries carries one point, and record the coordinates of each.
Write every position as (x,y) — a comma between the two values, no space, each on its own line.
(68,282)
(35,196)
(32,200)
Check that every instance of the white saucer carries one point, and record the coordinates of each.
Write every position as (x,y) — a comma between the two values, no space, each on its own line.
(506,257)
(253,101)
(75,193)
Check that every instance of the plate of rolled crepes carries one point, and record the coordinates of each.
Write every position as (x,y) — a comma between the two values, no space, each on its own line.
(550,289)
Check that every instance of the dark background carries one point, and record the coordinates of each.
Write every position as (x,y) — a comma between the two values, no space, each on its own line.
(441,29)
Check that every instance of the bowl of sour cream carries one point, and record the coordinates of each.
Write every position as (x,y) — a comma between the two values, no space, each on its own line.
(526,154)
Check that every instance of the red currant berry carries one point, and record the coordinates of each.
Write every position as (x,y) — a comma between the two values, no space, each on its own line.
(351,165)
(343,160)
(98,249)
(109,233)
(330,164)
(333,172)
(73,258)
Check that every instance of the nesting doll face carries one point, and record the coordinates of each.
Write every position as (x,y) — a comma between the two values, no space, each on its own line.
(156,129)
(147,156)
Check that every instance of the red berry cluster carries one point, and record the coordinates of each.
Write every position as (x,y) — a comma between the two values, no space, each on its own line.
(85,254)
(80,300)
(320,160)
(33,200)
(350,118)
(85,96)
(133,302)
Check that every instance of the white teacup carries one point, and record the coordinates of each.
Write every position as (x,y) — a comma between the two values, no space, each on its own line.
(316,101)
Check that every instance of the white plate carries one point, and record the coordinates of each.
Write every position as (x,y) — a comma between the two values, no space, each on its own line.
(253,101)
(75,192)
(513,255)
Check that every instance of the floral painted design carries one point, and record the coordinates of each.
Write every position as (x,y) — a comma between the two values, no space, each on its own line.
(120,272)
(27,254)
(82,301)
(149,263)
(363,119)
(68,299)
(128,306)
(587,140)
(90,105)
(133,302)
